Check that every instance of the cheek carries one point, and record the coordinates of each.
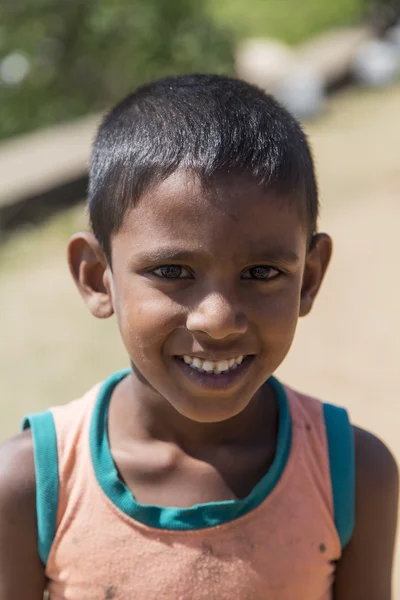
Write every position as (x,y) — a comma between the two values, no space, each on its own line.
(282,307)
(277,320)
(145,320)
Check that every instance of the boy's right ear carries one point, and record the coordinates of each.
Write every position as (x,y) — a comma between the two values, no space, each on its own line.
(91,272)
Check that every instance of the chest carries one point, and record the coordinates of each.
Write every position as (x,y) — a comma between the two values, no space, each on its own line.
(284,549)
(175,479)
(191,571)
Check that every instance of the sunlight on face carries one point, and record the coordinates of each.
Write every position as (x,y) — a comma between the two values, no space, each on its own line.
(210,274)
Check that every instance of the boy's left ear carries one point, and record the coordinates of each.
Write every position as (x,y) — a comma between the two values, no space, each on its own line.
(317,262)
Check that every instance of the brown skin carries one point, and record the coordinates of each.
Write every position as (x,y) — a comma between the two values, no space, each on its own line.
(215,307)
(21,571)
(364,571)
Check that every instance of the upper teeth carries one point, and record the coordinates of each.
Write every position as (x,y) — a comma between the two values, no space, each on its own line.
(211,366)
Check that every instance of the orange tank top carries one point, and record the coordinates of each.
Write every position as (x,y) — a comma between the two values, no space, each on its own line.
(280,543)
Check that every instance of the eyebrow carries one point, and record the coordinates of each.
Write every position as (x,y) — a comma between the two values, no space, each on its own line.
(159,255)
(275,254)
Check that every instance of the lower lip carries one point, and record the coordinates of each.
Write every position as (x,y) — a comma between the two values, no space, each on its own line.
(209,381)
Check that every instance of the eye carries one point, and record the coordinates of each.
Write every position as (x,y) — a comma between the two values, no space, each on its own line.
(260,272)
(172,272)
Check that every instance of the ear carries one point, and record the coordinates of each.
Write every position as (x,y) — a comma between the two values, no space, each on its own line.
(89,268)
(317,262)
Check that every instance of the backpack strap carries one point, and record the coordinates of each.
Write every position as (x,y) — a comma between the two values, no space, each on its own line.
(46,470)
(342,468)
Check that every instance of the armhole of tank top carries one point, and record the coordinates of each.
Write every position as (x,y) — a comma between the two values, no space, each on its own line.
(47,481)
(342,469)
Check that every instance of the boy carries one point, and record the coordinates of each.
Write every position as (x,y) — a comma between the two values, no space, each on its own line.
(195,474)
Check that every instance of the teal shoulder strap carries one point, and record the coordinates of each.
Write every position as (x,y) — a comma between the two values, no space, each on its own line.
(342,467)
(46,470)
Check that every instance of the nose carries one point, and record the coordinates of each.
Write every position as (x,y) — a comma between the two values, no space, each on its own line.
(218,317)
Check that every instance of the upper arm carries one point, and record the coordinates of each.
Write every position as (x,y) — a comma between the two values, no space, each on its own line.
(21,570)
(365,570)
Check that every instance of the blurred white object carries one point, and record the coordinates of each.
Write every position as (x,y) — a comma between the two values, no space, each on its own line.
(376,63)
(14,68)
(263,62)
(302,91)
(331,53)
(393,37)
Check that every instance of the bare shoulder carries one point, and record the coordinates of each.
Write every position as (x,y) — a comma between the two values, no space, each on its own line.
(17,470)
(376,468)
(17,482)
(364,571)
(21,571)
(17,473)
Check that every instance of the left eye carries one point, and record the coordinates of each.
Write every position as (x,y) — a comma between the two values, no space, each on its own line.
(260,272)
(172,272)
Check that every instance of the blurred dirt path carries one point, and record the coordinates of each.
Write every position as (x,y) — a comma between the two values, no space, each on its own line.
(348,349)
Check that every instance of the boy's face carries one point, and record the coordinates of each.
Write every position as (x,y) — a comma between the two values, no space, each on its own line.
(200,278)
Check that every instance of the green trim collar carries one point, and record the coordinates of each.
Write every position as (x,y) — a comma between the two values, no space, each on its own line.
(199,516)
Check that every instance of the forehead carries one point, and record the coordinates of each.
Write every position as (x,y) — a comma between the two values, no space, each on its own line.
(233,212)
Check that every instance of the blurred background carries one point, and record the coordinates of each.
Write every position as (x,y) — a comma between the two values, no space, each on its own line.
(335,64)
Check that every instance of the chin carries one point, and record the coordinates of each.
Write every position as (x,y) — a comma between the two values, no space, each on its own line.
(212,413)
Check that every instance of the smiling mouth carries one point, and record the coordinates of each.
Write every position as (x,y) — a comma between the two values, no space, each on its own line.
(212,367)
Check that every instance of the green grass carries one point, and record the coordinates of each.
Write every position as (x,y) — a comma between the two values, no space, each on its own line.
(289,20)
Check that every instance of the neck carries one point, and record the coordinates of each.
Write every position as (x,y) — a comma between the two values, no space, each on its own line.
(140,413)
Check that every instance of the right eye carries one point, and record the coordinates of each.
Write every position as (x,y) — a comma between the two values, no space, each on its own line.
(172,272)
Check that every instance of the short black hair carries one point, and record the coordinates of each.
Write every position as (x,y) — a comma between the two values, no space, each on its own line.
(207,123)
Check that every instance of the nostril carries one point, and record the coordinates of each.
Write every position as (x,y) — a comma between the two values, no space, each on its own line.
(218,319)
